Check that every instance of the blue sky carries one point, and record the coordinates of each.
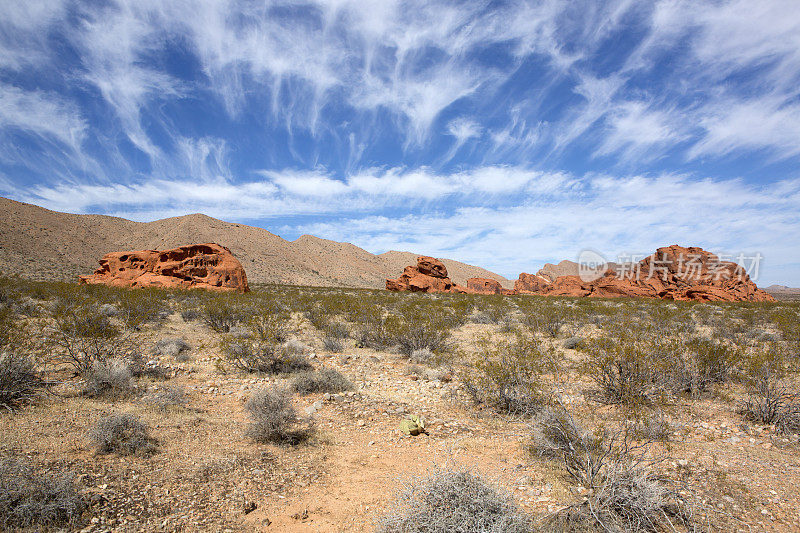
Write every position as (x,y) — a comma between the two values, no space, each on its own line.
(505,134)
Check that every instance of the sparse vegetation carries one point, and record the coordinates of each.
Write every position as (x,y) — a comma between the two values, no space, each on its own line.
(773,401)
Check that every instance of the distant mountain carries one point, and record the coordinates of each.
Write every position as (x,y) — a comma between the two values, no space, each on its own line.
(783,289)
(37,243)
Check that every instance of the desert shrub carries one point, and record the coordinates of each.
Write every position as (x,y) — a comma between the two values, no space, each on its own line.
(273,418)
(546,316)
(296,347)
(112,378)
(376,331)
(138,307)
(623,372)
(423,336)
(269,327)
(324,380)
(82,335)
(653,427)
(221,315)
(453,500)
(165,397)
(423,356)
(173,347)
(622,492)
(333,344)
(123,434)
(429,374)
(190,315)
(20,381)
(253,356)
(703,363)
(33,499)
(771,400)
(508,376)
(337,330)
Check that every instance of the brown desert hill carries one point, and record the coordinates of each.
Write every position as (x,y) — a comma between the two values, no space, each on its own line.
(458,272)
(38,243)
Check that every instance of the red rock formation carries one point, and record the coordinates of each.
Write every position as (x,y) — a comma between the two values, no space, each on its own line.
(430,275)
(672,273)
(486,286)
(206,266)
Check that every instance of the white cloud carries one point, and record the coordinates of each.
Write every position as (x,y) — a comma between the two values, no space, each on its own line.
(43,114)
(638,132)
(767,123)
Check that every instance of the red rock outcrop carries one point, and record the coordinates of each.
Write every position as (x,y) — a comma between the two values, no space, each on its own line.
(486,286)
(430,275)
(206,266)
(671,273)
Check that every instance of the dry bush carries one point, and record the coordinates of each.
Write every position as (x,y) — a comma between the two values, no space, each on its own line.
(109,378)
(37,500)
(333,344)
(190,315)
(453,500)
(273,418)
(324,380)
(173,347)
(337,330)
(123,434)
(81,335)
(508,376)
(20,381)
(165,397)
(773,401)
(254,356)
(547,316)
(423,356)
(621,492)
(296,347)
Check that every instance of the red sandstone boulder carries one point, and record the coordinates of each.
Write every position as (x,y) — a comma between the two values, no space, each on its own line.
(485,286)
(430,275)
(531,283)
(207,266)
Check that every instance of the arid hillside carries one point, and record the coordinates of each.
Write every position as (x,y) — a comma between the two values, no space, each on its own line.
(37,243)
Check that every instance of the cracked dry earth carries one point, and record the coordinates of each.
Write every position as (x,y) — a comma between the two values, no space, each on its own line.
(208,476)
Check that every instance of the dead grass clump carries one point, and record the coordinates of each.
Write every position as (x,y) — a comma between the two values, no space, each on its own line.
(453,500)
(274,418)
(109,378)
(324,380)
(20,381)
(773,401)
(296,347)
(33,499)
(123,434)
(620,490)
